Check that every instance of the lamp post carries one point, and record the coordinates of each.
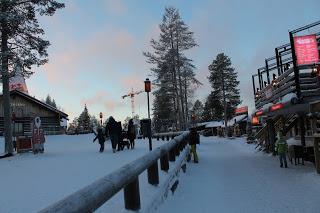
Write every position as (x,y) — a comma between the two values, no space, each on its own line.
(101,115)
(147,89)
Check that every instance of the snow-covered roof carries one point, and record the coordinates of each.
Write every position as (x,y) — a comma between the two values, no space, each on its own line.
(212,124)
(236,119)
(231,122)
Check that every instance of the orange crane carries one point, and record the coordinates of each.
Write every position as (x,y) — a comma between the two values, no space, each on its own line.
(131,96)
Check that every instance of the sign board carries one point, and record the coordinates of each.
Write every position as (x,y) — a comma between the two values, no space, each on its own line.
(306,48)
(241,110)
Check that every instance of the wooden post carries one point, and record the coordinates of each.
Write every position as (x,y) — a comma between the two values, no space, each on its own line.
(317,153)
(302,130)
(172,156)
(164,162)
(153,174)
(168,137)
(132,195)
(271,135)
(177,150)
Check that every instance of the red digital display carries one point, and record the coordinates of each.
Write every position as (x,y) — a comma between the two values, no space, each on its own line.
(306,48)
(241,110)
(276,107)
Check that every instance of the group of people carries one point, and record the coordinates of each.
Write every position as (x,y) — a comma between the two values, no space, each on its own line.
(113,130)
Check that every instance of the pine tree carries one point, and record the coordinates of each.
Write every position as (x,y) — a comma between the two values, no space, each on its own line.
(84,119)
(223,79)
(213,108)
(50,101)
(197,110)
(21,42)
(175,39)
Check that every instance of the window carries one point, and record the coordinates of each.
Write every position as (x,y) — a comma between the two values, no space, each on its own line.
(17,128)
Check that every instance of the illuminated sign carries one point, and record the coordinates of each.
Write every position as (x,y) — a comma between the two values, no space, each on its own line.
(255,120)
(275,107)
(241,110)
(306,48)
(259,113)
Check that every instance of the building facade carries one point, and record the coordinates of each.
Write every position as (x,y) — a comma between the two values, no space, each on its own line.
(25,108)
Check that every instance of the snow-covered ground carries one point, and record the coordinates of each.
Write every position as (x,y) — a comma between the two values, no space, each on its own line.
(233,177)
(31,182)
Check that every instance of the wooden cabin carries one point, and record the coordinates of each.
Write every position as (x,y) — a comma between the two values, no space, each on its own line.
(25,108)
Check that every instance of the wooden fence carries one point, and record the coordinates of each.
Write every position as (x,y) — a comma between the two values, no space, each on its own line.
(96,194)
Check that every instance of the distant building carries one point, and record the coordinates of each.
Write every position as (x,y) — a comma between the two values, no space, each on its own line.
(25,108)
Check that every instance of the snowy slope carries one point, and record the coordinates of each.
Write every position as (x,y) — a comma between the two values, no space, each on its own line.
(231,177)
(31,182)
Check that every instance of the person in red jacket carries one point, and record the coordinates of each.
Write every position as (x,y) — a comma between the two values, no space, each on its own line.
(38,138)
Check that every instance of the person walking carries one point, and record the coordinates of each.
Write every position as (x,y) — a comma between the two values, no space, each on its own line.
(120,138)
(282,148)
(193,141)
(131,133)
(112,128)
(100,138)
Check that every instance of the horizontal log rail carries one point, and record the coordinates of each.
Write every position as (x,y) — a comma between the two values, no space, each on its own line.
(91,197)
(166,135)
(285,84)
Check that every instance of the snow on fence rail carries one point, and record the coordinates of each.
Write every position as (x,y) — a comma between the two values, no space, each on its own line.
(96,194)
(166,135)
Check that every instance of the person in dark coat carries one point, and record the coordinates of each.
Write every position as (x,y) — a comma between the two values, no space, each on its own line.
(112,128)
(193,141)
(120,138)
(100,138)
(131,133)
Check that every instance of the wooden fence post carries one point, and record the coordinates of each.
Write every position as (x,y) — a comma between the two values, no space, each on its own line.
(153,174)
(317,153)
(172,155)
(132,195)
(164,161)
(177,150)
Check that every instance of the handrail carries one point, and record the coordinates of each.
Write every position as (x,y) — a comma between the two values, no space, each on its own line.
(96,194)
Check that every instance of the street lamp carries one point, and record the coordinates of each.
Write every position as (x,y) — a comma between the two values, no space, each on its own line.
(147,89)
(101,115)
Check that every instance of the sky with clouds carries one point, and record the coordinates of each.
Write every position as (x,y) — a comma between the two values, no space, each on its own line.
(96,48)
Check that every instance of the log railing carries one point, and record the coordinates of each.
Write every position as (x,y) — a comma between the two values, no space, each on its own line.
(96,194)
(166,135)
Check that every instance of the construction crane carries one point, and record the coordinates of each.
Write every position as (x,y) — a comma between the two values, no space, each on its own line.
(131,95)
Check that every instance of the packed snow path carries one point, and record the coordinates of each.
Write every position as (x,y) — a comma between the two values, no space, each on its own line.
(233,177)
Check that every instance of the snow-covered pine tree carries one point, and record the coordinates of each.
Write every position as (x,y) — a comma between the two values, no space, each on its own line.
(84,119)
(50,101)
(197,110)
(175,38)
(21,40)
(224,83)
